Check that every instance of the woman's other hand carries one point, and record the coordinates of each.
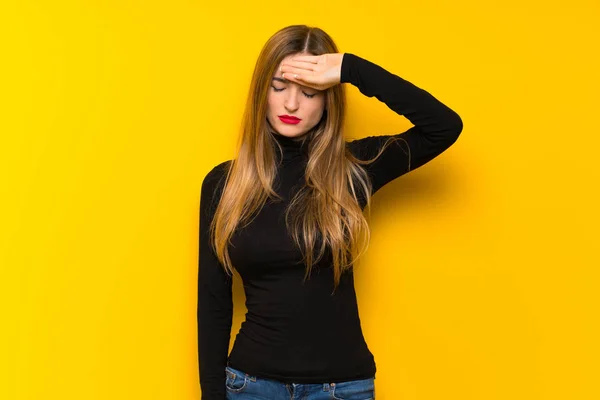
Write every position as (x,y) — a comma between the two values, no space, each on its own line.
(318,72)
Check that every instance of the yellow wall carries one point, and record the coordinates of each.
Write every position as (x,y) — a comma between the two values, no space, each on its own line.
(480,279)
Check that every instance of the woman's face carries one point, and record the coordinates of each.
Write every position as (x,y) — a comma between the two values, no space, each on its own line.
(287,98)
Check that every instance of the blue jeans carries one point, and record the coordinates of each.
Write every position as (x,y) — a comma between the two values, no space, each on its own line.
(242,386)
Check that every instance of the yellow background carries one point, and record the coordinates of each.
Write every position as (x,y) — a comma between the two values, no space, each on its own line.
(481,278)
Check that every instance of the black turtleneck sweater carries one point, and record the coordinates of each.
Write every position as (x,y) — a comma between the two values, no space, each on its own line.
(299,332)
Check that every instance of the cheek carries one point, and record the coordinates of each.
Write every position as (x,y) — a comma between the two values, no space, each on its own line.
(318,110)
(271,102)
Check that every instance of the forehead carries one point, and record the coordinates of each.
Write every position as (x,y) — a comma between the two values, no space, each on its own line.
(289,58)
(286,59)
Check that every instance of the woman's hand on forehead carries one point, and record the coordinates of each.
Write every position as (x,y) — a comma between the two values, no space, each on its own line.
(317,72)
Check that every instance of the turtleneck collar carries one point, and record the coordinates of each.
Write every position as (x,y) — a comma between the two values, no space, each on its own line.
(293,149)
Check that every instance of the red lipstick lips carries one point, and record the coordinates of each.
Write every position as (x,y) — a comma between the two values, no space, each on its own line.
(288,119)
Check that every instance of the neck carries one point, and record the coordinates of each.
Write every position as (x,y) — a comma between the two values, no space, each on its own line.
(293,148)
(294,139)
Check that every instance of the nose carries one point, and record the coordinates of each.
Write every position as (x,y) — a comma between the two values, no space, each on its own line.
(291,102)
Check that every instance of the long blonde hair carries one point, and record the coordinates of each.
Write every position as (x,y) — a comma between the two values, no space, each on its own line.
(326,209)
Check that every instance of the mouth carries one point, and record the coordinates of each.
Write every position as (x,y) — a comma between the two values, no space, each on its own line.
(288,119)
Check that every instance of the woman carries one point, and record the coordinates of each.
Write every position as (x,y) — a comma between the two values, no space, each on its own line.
(291,207)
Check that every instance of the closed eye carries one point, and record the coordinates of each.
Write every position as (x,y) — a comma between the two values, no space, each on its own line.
(310,96)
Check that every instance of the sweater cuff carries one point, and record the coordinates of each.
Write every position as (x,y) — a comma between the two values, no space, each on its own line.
(347,61)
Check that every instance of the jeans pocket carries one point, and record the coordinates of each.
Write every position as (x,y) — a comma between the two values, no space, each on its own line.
(361,389)
(235,380)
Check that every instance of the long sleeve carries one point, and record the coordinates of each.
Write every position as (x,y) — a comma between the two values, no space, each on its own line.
(215,304)
(436,126)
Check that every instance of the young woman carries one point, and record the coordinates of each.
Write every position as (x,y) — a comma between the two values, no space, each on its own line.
(287,214)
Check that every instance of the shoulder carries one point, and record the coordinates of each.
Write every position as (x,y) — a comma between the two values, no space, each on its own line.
(212,187)
(216,173)
(216,176)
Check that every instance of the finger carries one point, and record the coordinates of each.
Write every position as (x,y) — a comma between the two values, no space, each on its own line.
(301,80)
(291,77)
(294,70)
(310,59)
(303,65)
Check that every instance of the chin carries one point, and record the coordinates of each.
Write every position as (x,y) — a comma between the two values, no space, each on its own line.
(289,130)
(291,133)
